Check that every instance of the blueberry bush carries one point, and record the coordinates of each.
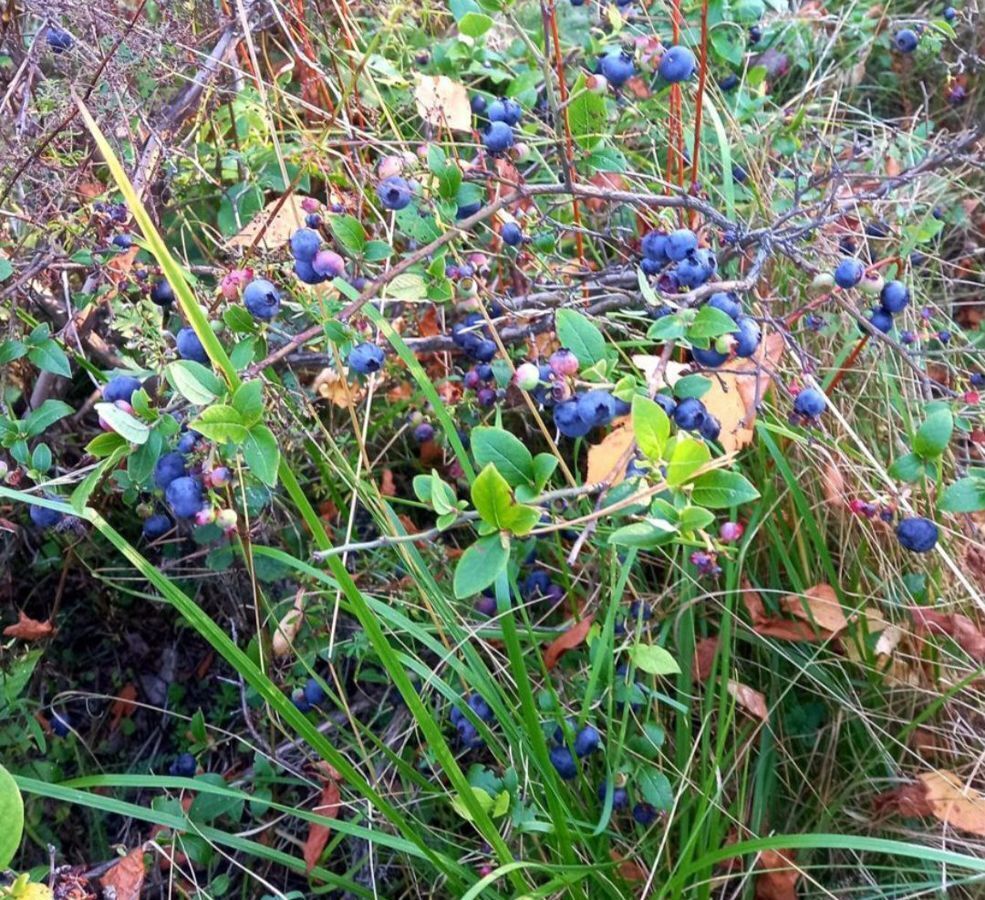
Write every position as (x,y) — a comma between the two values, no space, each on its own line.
(492,448)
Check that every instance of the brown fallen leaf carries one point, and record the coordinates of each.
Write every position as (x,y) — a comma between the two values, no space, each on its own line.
(704,658)
(442,102)
(388,487)
(123,706)
(126,878)
(951,801)
(818,605)
(328,806)
(627,868)
(751,700)
(607,459)
(965,633)
(734,395)
(778,876)
(773,626)
(833,483)
(567,641)
(427,325)
(28,629)
(329,385)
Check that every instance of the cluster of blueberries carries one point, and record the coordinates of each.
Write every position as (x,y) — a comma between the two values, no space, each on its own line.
(312,264)
(586,741)
(676,65)
(894,296)
(500,117)
(676,258)
(468,734)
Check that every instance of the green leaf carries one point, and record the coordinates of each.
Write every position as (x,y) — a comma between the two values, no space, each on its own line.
(376,251)
(654,660)
(239,320)
(667,328)
(39,420)
(207,807)
(248,402)
(479,566)
(474,24)
(6,270)
(11,350)
(506,452)
(482,797)
(934,434)
(656,789)
(141,464)
(261,453)
(710,323)
(580,336)
(80,496)
(692,386)
(441,495)
(651,427)
(349,232)
(650,533)
(221,423)
(694,518)
(12,816)
(908,468)
(41,458)
(409,286)
(130,427)
(197,384)
(966,495)
(104,444)
(587,116)
(495,504)
(720,489)
(688,455)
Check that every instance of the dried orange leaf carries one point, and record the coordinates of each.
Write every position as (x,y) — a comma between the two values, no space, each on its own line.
(953,803)
(567,641)
(28,629)
(123,706)
(126,878)
(318,834)
(818,605)
(778,876)
(751,700)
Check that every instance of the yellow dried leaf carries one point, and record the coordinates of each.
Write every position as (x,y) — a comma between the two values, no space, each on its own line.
(288,628)
(276,220)
(818,605)
(607,460)
(954,803)
(443,103)
(329,385)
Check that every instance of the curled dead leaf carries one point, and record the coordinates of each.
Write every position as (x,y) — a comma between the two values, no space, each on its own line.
(28,629)
(288,627)
(964,631)
(704,658)
(834,486)
(778,876)
(442,102)
(751,700)
(953,802)
(567,641)
(388,487)
(318,834)
(123,706)
(329,385)
(126,878)
(818,605)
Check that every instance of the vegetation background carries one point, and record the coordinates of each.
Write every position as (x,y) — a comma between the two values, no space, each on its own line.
(363,670)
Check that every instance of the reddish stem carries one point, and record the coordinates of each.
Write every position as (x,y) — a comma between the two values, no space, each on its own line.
(702,77)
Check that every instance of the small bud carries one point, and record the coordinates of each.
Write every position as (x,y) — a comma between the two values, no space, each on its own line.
(527,376)
(390,166)
(871,284)
(227,519)
(597,84)
(823,282)
(205,516)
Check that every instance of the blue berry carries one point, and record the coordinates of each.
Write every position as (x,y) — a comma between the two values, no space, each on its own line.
(262,299)
(424,432)
(469,735)
(161,293)
(504,110)
(535,584)
(306,273)
(328,264)
(58,39)
(468,209)
(849,273)
(950,13)
(645,814)
(186,443)
(394,192)
(894,297)
(680,243)
(880,320)
(183,766)
(314,693)
(483,350)
(366,358)
(479,706)
(120,387)
(810,403)
(620,796)
(696,268)
(726,303)
(300,701)
(43,517)
(61,724)
(654,246)
(478,104)
(123,241)
(908,337)
(917,534)
(511,234)
(905,40)
(710,428)
(498,137)
(184,495)
(977,379)
(564,762)
(190,347)
(305,243)
(708,358)
(739,174)
(313,220)
(568,421)
(651,266)
(729,83)
(587,741)
(747,337)
(677,64)
(690,413)
(667,404)
(168,468)
(944,336)
(596,407)
(156,526)
(617,66)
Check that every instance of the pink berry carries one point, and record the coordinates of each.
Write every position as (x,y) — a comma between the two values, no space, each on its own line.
(731,531)
(390,166)
(219,476)
(205,516)
(563,362)
(310,205)
(227,519)
(328,264)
